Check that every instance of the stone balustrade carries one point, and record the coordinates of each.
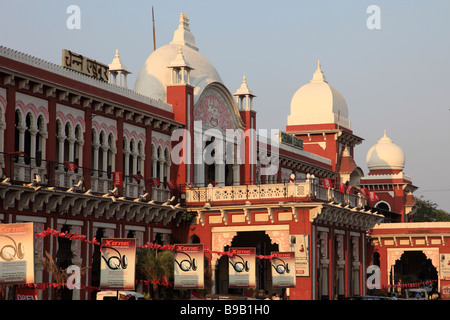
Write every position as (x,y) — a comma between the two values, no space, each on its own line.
(308,190)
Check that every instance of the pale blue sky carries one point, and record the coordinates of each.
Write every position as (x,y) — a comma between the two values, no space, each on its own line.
(395,78)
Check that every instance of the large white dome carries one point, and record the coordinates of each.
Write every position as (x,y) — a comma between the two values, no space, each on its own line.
(155,75)
(385,155)
(318,103)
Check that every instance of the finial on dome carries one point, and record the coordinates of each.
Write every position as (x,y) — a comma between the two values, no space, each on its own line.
(184,21)
(183,34)
(318,76)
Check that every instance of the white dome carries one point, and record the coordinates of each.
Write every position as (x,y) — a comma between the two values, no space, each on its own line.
(155,75)
(385,155)
(318,103)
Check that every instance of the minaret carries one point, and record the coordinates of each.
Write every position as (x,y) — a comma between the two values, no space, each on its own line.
(180,94)
(244,101)
(394,189)
(244,94)
(117,69)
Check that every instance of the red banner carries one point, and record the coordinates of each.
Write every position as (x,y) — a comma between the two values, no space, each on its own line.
(27,294)
(117,178)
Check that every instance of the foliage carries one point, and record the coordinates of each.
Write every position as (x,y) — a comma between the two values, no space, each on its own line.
(427,211)
(187,217)
(154,266)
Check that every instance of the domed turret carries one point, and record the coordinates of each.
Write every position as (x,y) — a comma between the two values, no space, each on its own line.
(155,76)
(318,103)
(385,155)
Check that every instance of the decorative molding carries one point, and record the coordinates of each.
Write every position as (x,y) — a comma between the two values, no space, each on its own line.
(57,69)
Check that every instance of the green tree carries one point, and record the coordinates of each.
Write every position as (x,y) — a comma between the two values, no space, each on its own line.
(427,211)
(157,267)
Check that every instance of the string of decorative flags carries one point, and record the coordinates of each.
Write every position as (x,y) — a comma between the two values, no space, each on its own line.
(60,285)
(408,285)
(155,246)
(343,188)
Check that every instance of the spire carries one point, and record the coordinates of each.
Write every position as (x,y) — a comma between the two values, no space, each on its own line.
(183,35)
(117,69)
(244,93)
(318,76)
(385,138)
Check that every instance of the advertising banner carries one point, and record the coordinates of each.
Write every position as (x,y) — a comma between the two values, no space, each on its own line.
(444,266)
(189,266)
(27,294)
(241,271)
(16,253)
(300,245)
(117,269)
(282,274)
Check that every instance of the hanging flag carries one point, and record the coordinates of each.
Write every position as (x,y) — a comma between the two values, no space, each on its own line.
(327,183)
(373,196)
(364,191)
(117,178)
(342,187)
(138,177)
(20,153)
(155,182)
(170,184)
(187,185)
(349,189)
(215,183)
(70,165)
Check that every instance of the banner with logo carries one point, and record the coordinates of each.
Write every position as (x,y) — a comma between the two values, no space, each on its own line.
(283,275)
(118,262)
(241,269)
(444,266)
(189,266)
(27,294)
(16,253)
(117,178)
(299,244)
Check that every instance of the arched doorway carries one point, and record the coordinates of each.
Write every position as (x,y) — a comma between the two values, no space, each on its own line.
(414,269)
(263,246)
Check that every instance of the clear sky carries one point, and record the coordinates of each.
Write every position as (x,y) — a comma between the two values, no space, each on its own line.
(394,78)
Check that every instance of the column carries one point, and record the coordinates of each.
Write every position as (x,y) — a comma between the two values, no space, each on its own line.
(340,265)
(22,130)
(355,266)
(324,264)
(33,134)
(105,149)
(236,174)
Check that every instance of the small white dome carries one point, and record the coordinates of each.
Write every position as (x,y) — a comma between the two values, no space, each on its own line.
(318,103)
(385,155)
(155,75)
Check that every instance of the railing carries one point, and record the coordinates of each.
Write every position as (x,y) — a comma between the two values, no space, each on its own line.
(56,174)
(308,190)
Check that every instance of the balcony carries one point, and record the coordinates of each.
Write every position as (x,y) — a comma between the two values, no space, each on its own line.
(48,187)
(56,175)
(306,191)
